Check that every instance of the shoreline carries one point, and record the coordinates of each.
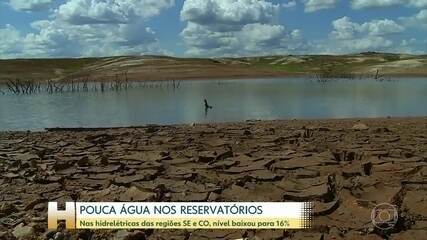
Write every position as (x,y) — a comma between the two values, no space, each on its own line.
(3,85)
(279,75)
(195,124)
(344,166)
(243,77)
(284,76)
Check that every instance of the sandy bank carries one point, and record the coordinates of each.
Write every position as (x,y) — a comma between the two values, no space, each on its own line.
(142,68)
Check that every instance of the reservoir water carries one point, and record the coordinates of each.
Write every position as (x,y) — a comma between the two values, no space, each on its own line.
(232,100)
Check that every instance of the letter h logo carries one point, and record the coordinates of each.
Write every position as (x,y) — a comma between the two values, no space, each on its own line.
(69,215)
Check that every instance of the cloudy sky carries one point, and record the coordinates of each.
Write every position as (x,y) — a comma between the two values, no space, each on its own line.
(208,28)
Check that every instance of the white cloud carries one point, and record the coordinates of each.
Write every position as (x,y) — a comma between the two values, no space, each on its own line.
(344,28)
(369,43)
(252,39)
(349,36)
(238,12)
(10,41)
(231,28)
(71,36)
(30,5)
(55,39)
(258,37)
(58,39)
(110,11)
(381,27)
(418,3)
(348,46)
(361,4)
(316,5)
(417,20)
(409,47)
(290,4)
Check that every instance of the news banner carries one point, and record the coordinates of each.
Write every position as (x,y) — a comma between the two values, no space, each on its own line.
(181,215)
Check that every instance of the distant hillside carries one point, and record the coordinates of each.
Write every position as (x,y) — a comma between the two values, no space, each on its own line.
(164,68)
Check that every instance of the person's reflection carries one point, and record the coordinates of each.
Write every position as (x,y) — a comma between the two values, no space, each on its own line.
(207,107)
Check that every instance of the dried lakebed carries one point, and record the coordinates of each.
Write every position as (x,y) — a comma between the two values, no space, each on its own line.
(345,166)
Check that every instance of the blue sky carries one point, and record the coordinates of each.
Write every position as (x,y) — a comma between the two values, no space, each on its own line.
(210,28)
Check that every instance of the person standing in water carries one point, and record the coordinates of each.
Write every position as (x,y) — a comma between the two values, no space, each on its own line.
(207,106)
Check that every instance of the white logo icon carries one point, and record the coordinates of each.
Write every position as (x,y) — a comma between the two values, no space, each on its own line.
(384,216)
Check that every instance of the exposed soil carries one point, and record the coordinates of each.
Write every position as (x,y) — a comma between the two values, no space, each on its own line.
(345,166)
(140,68)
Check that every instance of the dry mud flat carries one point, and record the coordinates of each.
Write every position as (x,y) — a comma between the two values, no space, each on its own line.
(345,166)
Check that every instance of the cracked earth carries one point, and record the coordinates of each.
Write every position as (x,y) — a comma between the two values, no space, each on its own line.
(346,167)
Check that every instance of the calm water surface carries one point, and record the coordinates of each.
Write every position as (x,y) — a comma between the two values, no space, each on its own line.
(232,100)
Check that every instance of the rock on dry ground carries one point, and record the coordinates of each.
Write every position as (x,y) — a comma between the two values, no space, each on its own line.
(345,166)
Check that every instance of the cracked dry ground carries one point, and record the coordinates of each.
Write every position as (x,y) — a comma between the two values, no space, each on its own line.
(345,166)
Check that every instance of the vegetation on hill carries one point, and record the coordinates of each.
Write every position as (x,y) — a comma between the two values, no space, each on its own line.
(166,68)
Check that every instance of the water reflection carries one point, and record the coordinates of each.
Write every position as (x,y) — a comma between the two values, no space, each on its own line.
(233,100)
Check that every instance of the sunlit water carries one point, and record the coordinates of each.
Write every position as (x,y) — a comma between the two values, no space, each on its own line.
(232,100)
